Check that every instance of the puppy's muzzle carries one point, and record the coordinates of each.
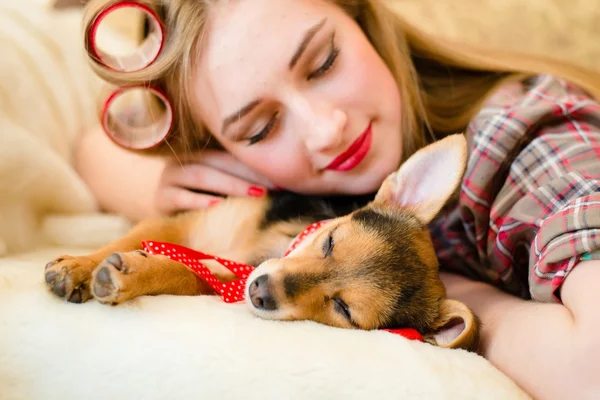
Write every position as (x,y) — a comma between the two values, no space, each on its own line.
(260,294)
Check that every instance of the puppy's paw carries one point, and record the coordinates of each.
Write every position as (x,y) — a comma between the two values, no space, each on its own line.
(114,278)
(69,277)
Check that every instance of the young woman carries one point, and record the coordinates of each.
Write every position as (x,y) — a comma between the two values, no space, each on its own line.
(323,96)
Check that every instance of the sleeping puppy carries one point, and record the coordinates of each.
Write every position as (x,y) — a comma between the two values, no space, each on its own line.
(371,265)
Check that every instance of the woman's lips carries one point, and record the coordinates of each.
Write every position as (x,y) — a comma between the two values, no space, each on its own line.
(354,154)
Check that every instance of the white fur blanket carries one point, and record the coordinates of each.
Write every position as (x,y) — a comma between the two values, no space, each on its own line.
(170,347)
(153,347)
(48,96)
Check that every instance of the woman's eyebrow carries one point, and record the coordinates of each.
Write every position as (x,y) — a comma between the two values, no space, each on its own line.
(305,41)
(238,114)
(308,36)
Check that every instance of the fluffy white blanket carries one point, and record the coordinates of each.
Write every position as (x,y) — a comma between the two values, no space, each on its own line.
(169,347)
(48,96)
(153,347)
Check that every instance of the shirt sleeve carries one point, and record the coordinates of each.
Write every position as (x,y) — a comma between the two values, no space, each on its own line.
(564,238)
(546,216)
(529,205)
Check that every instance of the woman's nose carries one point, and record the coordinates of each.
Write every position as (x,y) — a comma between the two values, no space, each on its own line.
(324,131)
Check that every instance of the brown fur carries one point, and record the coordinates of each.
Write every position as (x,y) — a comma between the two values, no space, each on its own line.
(381,267)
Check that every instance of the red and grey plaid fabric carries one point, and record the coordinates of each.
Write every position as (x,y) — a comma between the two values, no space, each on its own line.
(525,227)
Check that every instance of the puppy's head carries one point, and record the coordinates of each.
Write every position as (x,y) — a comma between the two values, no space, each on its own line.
(376,267)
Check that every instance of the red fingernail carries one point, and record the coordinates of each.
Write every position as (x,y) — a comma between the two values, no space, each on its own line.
(214,203)
(256,191)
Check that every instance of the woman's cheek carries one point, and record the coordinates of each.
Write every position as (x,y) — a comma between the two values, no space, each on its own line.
(274,162)
(285,168)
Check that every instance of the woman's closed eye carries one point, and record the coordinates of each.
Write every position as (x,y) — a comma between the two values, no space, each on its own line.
(325,67)
(328,63)
(264,132)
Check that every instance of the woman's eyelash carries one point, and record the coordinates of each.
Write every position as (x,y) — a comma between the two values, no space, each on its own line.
(333,54)
(264,132)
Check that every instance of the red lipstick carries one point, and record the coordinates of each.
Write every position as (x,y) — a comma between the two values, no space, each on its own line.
(354,154)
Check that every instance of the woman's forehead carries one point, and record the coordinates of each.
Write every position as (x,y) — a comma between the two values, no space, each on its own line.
(239,29)
(249,43)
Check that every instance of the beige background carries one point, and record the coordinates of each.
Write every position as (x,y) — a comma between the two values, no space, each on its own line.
(567,30)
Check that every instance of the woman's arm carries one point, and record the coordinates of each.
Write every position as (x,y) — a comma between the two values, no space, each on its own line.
(550,350)
(123,182)
(529,218)
(139,187)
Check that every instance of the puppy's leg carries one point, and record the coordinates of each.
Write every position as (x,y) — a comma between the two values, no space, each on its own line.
(70,277)
(123,276)
(230,230)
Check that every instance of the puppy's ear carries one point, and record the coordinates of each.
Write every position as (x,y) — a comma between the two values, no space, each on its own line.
(427,179)
(457,328)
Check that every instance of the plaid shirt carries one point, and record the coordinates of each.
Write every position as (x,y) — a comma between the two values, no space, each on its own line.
(526,226)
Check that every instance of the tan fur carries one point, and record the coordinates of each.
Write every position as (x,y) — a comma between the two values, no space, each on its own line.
(369,289)
(316,302)
(73,277)
(232,230)
(70,277)
(348,280)
(124,276)
(469,338)
(373,268)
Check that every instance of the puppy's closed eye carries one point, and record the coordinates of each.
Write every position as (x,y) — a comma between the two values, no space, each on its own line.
(328,245)
(341,307)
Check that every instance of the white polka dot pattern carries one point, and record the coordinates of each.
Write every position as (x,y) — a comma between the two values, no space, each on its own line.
(231,292)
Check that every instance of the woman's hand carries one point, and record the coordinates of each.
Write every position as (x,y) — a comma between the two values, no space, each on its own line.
(202,179)
(139,187)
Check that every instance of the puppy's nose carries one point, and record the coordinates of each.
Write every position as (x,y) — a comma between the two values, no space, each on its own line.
(260,295)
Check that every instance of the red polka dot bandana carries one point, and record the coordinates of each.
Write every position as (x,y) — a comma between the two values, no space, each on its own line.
(230,292)
(233,291)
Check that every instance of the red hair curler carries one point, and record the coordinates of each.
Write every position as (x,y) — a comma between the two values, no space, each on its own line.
(138,59)
(134,117)
(137,117)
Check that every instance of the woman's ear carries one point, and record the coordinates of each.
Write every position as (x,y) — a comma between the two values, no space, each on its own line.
(457,327)
(427,179)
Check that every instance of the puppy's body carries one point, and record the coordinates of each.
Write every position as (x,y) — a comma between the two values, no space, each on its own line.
(371,265)
(246,230)
(253,230)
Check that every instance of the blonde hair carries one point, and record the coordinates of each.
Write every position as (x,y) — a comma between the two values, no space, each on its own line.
(442,83)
